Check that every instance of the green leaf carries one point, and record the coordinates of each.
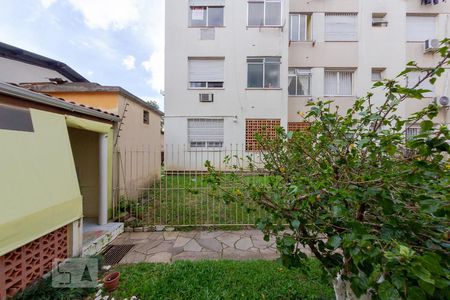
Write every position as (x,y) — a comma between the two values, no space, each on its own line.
(387,291)
(415,293)
(295,224)
(427,287)
(334,241)
(420,272)
(426,125)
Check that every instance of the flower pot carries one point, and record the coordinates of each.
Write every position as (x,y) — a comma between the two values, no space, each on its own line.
(111,281)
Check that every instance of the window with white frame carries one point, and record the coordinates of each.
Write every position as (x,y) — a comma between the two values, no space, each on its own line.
(206,73)
(377,74)
(263,72)
(206,16)
(300,27)
(420,28)
(414,78)
(264,13)
(338,83)
(299,82)
(341,27)
(411,132)
(205,133)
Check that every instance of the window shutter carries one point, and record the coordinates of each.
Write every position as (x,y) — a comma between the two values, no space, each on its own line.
(201,70)
(341,27)
(205,130)
(420,28)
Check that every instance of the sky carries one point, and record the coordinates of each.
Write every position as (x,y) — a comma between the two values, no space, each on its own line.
(111,42)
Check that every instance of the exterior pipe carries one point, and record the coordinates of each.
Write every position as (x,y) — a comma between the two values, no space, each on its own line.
(103,179)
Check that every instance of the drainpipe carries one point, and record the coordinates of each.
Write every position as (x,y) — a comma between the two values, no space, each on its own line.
(103,179)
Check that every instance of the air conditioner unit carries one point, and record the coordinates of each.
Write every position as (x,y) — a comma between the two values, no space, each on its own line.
(379,22)
(206,97)
(431,45)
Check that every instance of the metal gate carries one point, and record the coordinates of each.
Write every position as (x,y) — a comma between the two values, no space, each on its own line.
(170,188)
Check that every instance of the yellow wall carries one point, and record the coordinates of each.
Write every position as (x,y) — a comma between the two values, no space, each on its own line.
(102,100)
(39,192)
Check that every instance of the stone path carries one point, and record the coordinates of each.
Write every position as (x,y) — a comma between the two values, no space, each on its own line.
(165,247)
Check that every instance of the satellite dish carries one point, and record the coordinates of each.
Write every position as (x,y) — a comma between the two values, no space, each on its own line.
(444,101)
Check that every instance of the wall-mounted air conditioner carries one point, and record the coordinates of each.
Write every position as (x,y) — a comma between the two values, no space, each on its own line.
(206,97)
(431,45)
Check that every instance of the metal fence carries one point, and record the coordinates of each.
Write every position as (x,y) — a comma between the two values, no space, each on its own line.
(170,188)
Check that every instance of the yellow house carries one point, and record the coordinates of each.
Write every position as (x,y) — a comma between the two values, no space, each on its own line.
(137,144)
(49,148)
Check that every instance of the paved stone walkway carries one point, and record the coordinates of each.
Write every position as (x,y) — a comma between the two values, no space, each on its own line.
(165,247)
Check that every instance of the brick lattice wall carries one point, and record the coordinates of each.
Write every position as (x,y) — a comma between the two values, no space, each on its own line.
(265,127)
(298,126)
(23,266)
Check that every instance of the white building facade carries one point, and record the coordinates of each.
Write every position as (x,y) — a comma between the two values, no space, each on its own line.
(234,66)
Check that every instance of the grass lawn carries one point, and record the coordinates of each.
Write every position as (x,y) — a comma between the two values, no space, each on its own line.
(221,280)
(186,200)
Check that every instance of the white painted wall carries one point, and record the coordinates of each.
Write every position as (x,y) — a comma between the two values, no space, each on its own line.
(384,47)
(13,71)
(235,42)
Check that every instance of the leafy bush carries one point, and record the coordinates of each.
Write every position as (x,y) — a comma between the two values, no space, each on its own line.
(372,205)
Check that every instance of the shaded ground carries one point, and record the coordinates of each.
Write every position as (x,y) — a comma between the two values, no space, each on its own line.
(222,280)
(164,247)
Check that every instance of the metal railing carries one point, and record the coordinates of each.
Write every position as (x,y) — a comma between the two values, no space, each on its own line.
(170,188)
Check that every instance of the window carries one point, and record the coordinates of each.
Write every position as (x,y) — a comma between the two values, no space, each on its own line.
(377,74)
(300,28)
(15,118)
(206,16)
(420,28)
(299,82)
(206,73)
(411,132)
(413,78)
(338,83)
(341,27)
(264,13)
(263,72)
(205,133)
(146,117)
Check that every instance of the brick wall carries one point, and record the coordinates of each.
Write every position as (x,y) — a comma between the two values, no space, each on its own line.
(23,266)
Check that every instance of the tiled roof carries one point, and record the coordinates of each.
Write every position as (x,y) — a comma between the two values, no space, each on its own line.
(27,94)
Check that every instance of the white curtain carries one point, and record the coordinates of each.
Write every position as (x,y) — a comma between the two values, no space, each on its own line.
(345,83)
(341,27)
(420,28)
(331,87)
(206,70)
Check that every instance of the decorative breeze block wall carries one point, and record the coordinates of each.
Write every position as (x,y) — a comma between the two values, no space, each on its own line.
(298,126)
(265,127)
(23,266)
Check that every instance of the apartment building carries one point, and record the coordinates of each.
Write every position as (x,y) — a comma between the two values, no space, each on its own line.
(233,67)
